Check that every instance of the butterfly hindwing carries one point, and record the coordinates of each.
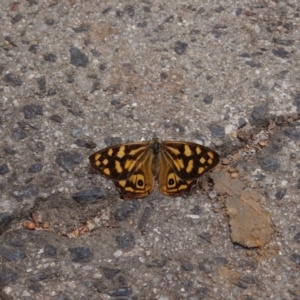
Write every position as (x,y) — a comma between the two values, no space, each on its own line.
(118,162)
(141,182)
(168,180)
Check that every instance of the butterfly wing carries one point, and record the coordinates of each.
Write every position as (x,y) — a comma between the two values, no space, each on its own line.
(118,162)
(141,182)
(170,184)
(128,165)
(181,164)
(190,160)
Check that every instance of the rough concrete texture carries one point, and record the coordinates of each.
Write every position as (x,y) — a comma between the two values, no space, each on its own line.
(76,76)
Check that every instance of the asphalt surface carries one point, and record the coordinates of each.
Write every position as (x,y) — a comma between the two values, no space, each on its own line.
(77,76)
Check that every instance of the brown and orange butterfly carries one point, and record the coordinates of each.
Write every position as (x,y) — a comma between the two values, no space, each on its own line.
(133,167)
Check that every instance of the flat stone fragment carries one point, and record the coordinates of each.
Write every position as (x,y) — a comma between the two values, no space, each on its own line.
(281,52)
(126,241)
(50,251)
(250,225)
(18,135)
(81,254)
(110,273)
(259,112)
(5,219)
(31,111)
(217,131)
(180,47)
(269,163)
(12,255)
(7,276)
(90,195)
(35,168)
(125,209)
(4,169)
(68,160)
(25,191)
(78,58)
(13,80)
(124,291)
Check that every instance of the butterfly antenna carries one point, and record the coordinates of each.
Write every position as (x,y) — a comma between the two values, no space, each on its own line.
(168,124)
(143,127)
(137,120)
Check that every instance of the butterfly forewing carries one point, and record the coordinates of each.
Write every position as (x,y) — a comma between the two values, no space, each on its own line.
(189,160)
(119,162)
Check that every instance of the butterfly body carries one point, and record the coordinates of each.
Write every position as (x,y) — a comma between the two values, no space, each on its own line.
(134,166)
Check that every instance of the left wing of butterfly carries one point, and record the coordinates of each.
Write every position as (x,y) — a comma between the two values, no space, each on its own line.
(129,166)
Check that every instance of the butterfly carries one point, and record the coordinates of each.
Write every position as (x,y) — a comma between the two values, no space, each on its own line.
(133,167)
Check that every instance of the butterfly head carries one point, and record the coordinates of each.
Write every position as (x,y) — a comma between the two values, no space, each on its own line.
(155,145)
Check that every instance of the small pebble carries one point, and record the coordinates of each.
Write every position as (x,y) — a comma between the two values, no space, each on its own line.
(212,195)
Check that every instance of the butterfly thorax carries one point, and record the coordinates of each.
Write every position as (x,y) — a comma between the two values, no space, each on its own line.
(156,148)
